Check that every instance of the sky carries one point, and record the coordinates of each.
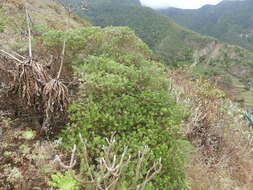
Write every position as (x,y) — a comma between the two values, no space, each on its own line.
(184,4)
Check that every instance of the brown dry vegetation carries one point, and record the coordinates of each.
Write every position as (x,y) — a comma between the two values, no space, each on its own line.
(25,83)
(222,157)
(25,163)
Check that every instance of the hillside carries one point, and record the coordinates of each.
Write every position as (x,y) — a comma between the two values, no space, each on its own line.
(176,46)
(229,21)
(150,26)
(92,108)
(114,90)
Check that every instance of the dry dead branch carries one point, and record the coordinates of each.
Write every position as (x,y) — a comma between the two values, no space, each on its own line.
(72,160)
(4,53)
(55,93)
(111,167)
(56,97)
(29,33)
(154,170)
(32,83)
(28,81)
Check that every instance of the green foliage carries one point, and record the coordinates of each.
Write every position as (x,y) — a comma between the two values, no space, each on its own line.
(28,135)
(169,41)
(123,93)
(64,181)
(2,26)
(41,28)
(177,46)
(111,173)
(3,20)
(110,41)
(132,101)
(225,21)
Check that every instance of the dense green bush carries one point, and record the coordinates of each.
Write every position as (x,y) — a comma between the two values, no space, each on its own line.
(110,41)
(124,93)
(64,181)
(133,102)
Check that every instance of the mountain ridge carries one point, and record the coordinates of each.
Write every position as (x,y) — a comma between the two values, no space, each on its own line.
(177,46)
(130,121)
(229,21)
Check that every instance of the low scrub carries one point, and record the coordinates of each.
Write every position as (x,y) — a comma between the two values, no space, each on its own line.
(132,101)
(218,133)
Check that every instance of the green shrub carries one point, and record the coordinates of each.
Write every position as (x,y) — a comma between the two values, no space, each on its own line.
(64,181)
(110,41)
(132,101)
(2,26)
(125,94)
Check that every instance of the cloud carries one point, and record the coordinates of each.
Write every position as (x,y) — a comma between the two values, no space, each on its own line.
(184,4)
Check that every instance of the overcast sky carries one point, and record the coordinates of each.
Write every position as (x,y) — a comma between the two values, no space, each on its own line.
(185,4)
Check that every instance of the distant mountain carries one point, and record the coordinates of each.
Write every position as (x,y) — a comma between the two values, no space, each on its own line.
(230,66)
(230,21)
(171,42)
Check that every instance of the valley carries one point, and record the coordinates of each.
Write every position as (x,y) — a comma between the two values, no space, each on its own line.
(176,46)
(111,95)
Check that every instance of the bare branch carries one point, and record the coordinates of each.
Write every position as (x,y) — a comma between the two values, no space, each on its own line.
(141,156)
(72,161)
(156,169)
(85,153)
(110,168)
(29,33)
(11,56)
(62,58)
(49,64)
(18,55)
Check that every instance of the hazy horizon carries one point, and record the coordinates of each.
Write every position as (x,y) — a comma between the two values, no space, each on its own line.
(184,4)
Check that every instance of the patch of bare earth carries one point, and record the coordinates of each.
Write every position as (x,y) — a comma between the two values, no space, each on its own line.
(26,161)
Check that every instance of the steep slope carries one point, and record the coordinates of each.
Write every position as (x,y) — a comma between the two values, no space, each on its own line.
(25,157)
(229,21)
(230,66)
(122,93)
(150,26)
(43,12)
(124,96)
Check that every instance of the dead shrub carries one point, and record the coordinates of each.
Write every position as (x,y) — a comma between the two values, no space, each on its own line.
(56,97)
(218,133)
(31,84)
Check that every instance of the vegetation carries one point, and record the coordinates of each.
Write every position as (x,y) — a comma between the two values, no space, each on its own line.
(229,21)
(132,123)
(176,46)
(64,182)
(128,96)
(212,127)
(111,172)
(3,20)
(148,25)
